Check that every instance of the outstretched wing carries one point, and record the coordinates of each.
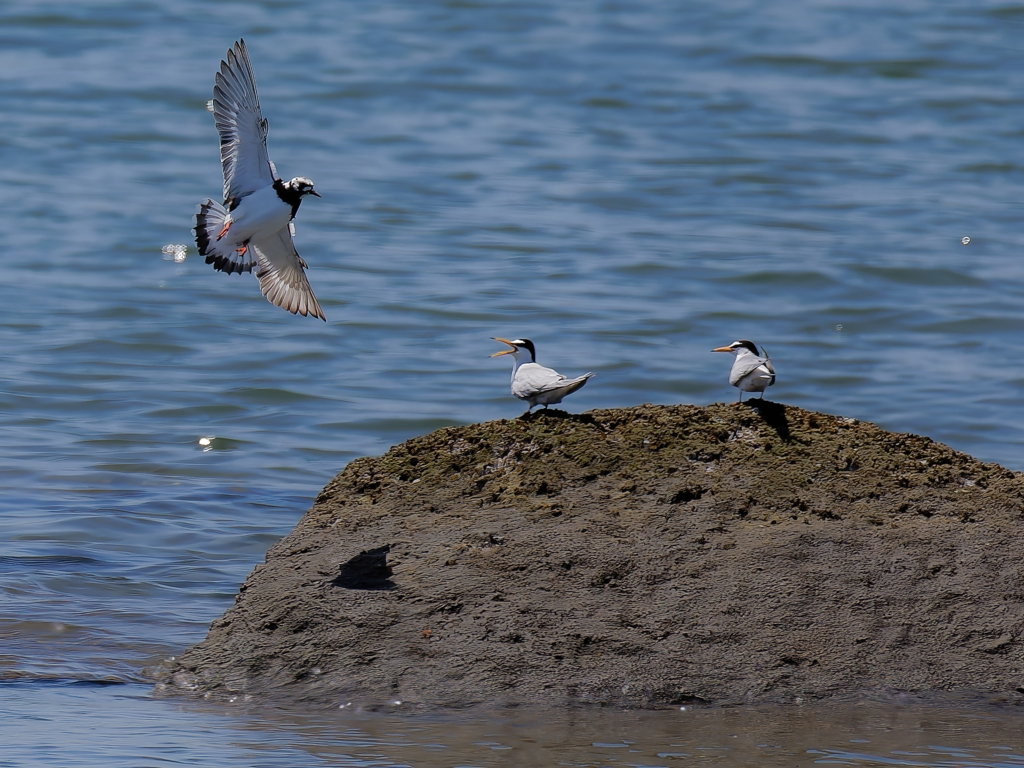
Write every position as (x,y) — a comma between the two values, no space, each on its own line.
(282,275)
(243,131)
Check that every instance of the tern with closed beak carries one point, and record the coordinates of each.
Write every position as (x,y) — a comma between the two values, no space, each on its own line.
(534,383)
(253,228)
(750,372)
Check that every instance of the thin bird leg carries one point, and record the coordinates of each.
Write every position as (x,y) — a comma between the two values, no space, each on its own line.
(741,395)
(245,247)
(224,231)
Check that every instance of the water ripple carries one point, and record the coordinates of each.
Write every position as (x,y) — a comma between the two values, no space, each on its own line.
(627,184)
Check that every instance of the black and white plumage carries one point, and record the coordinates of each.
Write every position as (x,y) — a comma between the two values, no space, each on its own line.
(534,383)
(253,228)
(751,372)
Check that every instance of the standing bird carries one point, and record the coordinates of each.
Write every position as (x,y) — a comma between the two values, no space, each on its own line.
(254,226)
(750,372)
(534,383)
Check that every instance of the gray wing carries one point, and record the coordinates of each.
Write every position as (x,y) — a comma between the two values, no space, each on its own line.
(745,366)
(282,276)
(243,131)
(533,379)
(569,385)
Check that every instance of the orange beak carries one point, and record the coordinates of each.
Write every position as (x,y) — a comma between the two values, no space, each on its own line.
(722,349)
(505,351)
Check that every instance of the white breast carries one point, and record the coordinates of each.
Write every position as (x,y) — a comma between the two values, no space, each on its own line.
(259,215)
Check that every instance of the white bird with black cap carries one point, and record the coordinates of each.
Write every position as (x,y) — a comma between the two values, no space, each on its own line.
(534,383)
(751,372)
(253,228)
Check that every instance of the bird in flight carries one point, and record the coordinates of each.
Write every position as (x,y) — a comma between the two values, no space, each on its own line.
(253,228)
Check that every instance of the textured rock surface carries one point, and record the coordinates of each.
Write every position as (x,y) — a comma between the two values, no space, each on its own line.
(643,556)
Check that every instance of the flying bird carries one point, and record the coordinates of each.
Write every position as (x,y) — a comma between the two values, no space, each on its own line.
(253,228)
(750,372)
(534,383)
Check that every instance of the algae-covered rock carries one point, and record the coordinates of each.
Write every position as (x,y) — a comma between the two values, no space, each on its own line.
(644,556)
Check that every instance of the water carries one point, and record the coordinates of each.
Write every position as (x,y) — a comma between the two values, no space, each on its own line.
(628,184)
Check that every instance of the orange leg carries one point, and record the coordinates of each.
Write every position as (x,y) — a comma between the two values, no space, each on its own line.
(245,247)
(224,231)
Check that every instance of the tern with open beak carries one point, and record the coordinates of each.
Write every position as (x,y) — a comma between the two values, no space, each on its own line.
(534,383)
(750,372)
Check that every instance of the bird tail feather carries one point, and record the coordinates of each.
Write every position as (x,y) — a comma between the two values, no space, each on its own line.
(210,217)
(576,383)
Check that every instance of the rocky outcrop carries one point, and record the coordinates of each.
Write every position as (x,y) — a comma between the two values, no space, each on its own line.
(643,556)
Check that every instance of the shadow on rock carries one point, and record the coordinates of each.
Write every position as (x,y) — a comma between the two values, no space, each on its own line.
(558,415)
(368,570)
(774,415)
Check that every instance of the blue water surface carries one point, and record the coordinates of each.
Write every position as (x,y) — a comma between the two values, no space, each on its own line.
(629,184)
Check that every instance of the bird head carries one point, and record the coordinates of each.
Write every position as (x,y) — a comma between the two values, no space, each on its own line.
(738,347)
(303,186)
(517,348)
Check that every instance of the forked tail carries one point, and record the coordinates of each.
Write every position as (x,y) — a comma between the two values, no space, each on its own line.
(576,383)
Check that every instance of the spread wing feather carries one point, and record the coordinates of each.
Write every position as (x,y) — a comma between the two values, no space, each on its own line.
(283,281)
(243,131)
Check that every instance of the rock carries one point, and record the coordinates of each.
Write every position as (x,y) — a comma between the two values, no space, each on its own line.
(645,556)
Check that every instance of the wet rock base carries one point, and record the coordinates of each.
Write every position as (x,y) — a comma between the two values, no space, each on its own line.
(647,556)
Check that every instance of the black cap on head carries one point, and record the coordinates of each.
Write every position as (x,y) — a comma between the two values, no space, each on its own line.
(527,345)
